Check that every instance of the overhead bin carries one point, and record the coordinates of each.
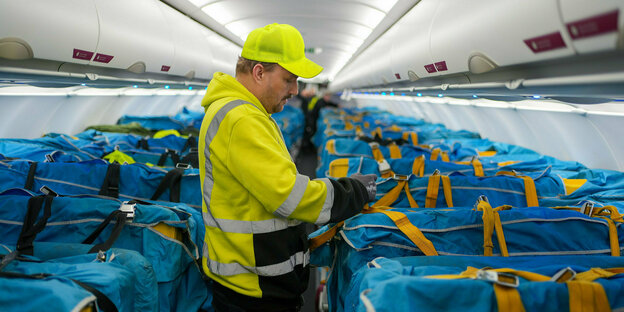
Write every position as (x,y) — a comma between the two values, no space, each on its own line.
(192,54)
(61,30)
(225,55)
(480,36)
(411,54)
(595,26)
(136,42)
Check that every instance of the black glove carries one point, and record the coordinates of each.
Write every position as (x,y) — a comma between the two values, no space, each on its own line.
(369,182)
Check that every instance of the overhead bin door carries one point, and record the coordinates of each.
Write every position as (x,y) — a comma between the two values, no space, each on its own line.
(478,36)
(594,25)
(411,53)
(192,55)
(134,35)
(60,30)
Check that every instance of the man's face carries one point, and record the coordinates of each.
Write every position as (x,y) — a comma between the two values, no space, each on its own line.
(279,86)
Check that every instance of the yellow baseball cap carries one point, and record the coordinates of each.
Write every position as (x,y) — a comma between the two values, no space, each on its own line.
(281,44)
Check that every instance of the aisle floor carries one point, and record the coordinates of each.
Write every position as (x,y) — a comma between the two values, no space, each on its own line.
(306,164)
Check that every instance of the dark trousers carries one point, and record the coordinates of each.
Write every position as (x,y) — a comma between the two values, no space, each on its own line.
(226,300)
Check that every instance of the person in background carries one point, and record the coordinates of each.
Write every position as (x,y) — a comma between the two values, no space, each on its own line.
(311,104)
(255,202)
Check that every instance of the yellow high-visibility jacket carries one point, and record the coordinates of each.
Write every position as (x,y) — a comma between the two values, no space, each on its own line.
(254,200)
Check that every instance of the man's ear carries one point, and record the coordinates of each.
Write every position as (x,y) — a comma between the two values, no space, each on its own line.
(257,72)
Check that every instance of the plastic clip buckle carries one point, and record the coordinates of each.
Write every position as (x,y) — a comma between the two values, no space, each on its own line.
(373,145)
(401,177)
(587,208)
(128,209)
(48,191)
(183,166)
(564,275)
(503,279)
(384,166)
(482,198)
(49,158)
(101,256)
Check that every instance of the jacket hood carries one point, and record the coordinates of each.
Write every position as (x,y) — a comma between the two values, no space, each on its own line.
(224,87)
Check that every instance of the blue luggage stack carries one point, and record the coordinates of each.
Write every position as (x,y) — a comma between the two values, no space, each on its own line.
(463,223)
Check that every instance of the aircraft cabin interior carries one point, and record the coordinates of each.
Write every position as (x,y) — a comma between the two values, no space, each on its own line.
(489,131)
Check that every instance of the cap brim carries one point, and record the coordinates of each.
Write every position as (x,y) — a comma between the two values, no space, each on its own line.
(303,68)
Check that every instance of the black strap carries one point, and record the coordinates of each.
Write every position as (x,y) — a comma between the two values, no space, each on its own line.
(120,221)
(382,142)
(30,179)
(191,142)
(192,158)
(102,301)
(168,153)
(142,143)
(110,186)
(172,181)
(30,229)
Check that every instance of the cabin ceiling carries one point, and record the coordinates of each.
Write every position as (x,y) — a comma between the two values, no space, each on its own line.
(334,31)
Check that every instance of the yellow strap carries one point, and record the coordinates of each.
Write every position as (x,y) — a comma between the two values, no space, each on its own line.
(348,125)
(432,191)
(433,188)
(411,136)
(330,146)
(392,195)
(486,153)
(448,194)
(491,222)
(507,163)
(572,185)
(587,297)
(119,157)
(478,167)
(394,128)
(317,241)
(613,237)
(377,131)
(597,273)
(358,129)
(411,231)
(529,187)
(445,156)
(471,272)
(508,299)
(395,151)
(410,198)
(164,133)
(339,168)
(435,153)
(418,167)
(366,124)
(377,153)
(488,227)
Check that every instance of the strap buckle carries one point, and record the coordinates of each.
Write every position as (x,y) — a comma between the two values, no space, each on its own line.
(564,275)
(373,145)
(482,198)
(128,209)
(587,208)
(503,279)
(48,191)
(384,166)
(49,158)
(101,256)
(183,166)
(401,177)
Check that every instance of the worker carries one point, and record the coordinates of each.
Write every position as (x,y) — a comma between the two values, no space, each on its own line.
(254,200)
(311,104)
